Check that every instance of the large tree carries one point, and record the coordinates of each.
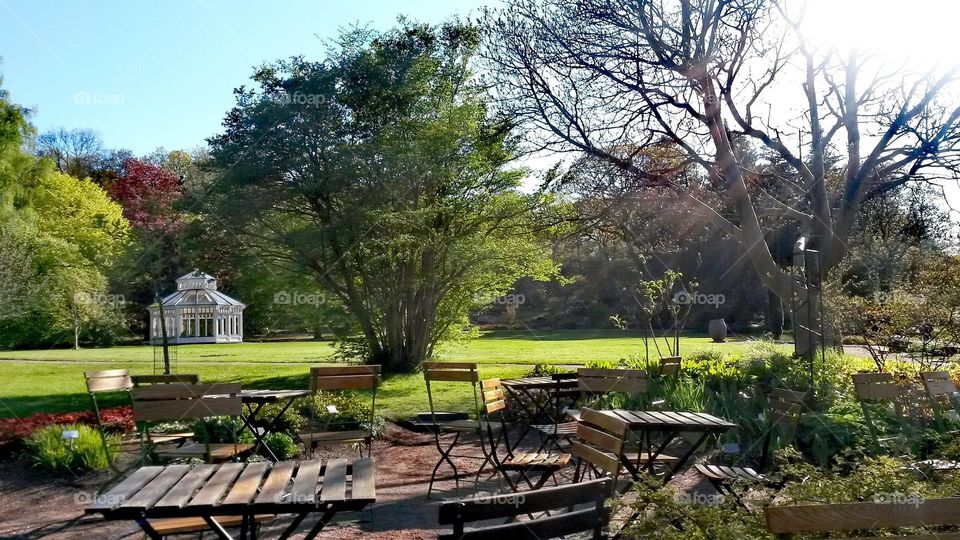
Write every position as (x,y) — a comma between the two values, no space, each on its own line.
(712,77)
(379,172)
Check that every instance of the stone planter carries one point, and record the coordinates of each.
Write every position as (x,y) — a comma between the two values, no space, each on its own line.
(717,330)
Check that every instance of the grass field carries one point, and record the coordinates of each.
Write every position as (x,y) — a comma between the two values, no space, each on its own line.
(52,381)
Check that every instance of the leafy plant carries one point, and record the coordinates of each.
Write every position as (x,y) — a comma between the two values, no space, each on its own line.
(46,448)
(221,429)
(282,445)
(352,411)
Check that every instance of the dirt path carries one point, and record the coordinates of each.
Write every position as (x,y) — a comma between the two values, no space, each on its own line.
(37,505)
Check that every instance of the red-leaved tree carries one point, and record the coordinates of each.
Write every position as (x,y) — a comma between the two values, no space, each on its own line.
(148,194)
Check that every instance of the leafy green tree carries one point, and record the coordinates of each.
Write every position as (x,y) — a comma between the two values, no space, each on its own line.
(379,173)
(58,237)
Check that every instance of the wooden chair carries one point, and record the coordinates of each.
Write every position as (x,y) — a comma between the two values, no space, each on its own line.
(784,521)
(872,390)
(98,382)
(545,464)
(452,372)
(785,408)
(179,401)
(600,447)
(342,378)
(584,503)
(670,366)
(943,396)
(593,383)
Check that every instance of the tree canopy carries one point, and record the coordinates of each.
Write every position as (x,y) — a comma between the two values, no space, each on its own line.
(379,171)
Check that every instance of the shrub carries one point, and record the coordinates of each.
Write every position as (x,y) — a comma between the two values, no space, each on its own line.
(46,448)
(353,411)
(282,445)
(289,422)
(221,429)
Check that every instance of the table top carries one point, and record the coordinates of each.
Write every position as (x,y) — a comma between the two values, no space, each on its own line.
(539,382)
(240,489)
(269,396)
(687,421)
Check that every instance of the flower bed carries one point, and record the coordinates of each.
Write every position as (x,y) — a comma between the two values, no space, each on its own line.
(117,419)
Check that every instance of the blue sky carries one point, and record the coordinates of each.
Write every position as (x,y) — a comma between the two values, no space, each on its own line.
(161,73)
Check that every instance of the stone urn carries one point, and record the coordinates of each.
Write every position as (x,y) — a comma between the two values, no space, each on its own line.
(717,330)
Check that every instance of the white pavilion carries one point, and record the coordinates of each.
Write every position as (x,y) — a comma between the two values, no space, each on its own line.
(198,313)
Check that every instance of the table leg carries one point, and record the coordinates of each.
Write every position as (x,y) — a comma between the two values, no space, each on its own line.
(324,519)
(683,460)
(248,422)
(293,526)
(148,529)
(217,528)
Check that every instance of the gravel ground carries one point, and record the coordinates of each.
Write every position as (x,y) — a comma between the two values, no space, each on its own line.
(38,505)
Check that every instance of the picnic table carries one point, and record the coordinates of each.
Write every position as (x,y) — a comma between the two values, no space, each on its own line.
(255,400)
(241,489)
(535,407)
(670,425)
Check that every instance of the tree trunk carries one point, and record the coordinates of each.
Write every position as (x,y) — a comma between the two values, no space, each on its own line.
(774,315)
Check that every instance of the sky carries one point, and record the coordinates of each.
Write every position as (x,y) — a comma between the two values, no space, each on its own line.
(149,74)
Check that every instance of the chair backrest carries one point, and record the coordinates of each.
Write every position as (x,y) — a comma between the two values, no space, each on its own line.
(602,381)
(786,520)
(601,440)
(493,396)
(180,401)
(187,378)
(345,378)
(873,387)
(109,380)
(786,407)
(461,372)
(589,496)
(938,384)
(670,366)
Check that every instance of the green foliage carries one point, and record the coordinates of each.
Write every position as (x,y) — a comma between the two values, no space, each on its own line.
(290,422)
(221,429)
(671,515)
(353,411)
(411,183)
(840,431)
(46,448)
(282,445)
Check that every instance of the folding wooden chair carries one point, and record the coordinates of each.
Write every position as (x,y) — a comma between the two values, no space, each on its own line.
(785,408)
(785,521)
(877,390)
(351,378)
(179,401)
(545,464)
(599,447)
(98,382)
(593,383)
(452,372)
(584,505)
(943,396)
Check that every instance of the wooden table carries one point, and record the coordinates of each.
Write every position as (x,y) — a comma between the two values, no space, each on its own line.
(670,424)
(533,389)
(241,489)
(255,400)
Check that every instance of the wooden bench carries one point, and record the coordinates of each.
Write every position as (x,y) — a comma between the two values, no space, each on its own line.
(591,517)
(818,518)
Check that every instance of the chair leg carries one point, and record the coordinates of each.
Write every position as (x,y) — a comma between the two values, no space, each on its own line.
(444,456)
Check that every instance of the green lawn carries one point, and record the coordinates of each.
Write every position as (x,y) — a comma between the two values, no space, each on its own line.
(51,380)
